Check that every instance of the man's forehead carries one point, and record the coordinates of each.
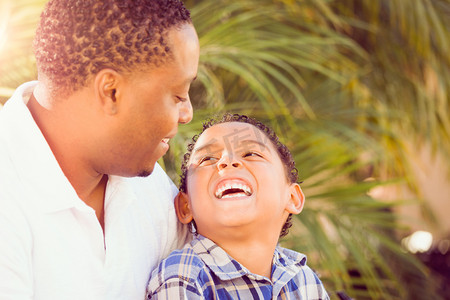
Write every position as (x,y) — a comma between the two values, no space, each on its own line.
(185,81)
(185,46)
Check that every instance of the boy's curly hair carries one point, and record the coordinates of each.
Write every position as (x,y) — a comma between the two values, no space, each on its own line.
(283,152)
(78,38)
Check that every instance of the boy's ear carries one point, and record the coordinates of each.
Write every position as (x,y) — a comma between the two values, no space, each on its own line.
(106,84)
(182,208)
(297,199)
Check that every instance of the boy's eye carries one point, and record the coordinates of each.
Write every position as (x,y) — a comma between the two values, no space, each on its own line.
(252,154)
(207,159)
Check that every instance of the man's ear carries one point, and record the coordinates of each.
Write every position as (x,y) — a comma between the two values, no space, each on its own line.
(182,208)
(106,83)
(296,200)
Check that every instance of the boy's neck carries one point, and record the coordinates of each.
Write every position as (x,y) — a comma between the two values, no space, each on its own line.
(254,254)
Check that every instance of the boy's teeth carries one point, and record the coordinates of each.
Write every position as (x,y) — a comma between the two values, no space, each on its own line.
(234,195)
(246,191)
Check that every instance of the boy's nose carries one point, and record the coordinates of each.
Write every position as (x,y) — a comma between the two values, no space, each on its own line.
(228,161)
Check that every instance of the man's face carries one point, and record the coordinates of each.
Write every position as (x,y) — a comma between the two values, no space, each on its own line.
(153,103)
(237,183)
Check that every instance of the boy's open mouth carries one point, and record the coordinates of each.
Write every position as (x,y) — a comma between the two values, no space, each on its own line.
(233,189)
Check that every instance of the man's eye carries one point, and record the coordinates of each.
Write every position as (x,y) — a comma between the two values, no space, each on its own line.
(181,99)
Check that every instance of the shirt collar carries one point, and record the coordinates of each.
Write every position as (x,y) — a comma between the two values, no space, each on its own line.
(287,258)
(218,261)
(38,170)
(286,263)
(35,163)
(118,196)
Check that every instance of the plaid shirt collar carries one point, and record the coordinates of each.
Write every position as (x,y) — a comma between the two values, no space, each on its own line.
(285,265)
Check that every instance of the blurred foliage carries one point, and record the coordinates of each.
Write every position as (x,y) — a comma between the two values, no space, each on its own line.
(350,86)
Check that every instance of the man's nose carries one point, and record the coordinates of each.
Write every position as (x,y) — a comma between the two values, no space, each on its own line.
(185,112)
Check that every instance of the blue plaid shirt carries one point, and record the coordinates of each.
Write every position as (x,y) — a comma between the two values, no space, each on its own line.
(203,270)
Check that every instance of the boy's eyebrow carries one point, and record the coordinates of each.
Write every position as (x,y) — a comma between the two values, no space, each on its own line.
(262,145)
(203,147)
(214,142)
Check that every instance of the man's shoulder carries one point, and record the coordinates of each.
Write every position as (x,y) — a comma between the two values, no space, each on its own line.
(12,191)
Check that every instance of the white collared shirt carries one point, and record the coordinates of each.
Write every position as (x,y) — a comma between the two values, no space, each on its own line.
(51,243)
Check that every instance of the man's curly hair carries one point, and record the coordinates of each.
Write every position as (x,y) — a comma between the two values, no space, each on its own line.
(77,38)
(283,152)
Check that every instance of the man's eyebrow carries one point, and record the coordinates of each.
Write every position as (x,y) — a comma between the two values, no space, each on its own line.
(191,80)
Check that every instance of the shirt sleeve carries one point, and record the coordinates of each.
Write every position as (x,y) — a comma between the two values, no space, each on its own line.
(16,279)
(174,288)
(176,277)
(314,287)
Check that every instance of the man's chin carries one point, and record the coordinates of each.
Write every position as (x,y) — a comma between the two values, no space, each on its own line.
(145,173)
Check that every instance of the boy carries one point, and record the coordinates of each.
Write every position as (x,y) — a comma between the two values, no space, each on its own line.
(238,191)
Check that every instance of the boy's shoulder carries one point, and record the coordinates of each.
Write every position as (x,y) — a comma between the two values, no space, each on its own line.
(292,261)
(190,271)
(290,257)
(186,264)
(290,269)
(183,272)
(183,263)
(195,263)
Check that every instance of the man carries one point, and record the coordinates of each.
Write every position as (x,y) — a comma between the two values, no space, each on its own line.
(113,83)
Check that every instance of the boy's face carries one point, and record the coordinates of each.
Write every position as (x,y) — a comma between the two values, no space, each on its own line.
(237,184)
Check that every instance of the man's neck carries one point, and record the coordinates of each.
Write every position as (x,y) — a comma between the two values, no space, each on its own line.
(96,200)
(61,133)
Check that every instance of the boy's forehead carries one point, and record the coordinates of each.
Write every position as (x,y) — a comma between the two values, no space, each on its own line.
(231,135)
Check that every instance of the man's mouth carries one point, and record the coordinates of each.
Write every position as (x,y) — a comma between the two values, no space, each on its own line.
(165,140)
(232,189)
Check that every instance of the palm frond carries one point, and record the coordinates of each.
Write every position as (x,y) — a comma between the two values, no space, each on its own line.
(352,88)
